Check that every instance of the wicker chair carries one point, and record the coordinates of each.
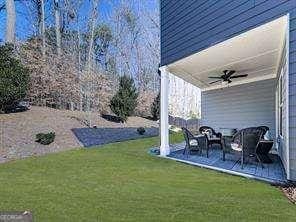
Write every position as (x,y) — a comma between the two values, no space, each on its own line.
(265,129)
(203,129)
(247,141)
(214,139)
(193,143)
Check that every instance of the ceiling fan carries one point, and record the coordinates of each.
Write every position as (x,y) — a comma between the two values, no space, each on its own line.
(226,77)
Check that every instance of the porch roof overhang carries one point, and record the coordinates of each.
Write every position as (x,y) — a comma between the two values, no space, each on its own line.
(256,52)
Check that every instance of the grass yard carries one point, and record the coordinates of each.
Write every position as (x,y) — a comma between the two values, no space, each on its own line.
(121,182)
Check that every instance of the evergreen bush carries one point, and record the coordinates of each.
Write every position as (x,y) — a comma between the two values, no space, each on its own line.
(14,78)
(124,102)
(141,130)
(155,107)
(45,138)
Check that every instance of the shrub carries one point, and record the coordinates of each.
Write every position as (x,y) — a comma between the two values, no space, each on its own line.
(155,107)
(45,138)
(124,101)
(14,78)
(141,130)
(154,151)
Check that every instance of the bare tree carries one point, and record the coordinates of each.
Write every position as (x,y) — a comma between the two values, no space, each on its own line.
(136,34)
(39,9)
(43,27)
(57,25)
(10,21)
(2,7)
(36,11)
(73,8)
(102,40)
(93,18)
(83,52)
(90,60)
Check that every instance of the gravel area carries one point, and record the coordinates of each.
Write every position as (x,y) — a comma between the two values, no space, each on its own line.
(18,130)
(290,192)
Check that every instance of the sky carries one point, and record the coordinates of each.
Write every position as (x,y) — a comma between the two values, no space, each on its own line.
(24,16)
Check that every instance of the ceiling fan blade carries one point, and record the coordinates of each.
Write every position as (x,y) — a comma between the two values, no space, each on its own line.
(214,77)
(238,76)
(215,81)
(230,73)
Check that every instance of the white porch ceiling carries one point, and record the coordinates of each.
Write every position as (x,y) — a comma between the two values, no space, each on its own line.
(255,52)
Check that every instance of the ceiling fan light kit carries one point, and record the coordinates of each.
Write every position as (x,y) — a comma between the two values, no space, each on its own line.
(224,83)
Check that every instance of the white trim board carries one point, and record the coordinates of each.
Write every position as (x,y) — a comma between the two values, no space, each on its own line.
(287,95)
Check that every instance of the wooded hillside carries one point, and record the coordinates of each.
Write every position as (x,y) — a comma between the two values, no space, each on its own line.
(77,49)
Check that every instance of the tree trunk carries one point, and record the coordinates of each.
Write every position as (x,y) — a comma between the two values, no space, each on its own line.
(38,8)
(43,27)
(10,21)
(57,26)
(90,59)
(91,41)
(79,67)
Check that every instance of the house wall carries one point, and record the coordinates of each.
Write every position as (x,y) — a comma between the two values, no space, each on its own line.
(247,105)
(189,26)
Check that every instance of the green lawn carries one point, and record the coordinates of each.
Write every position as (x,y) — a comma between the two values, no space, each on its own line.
(121,182)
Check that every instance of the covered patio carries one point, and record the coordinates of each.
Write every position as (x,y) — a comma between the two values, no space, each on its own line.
(272,173)
(240,103)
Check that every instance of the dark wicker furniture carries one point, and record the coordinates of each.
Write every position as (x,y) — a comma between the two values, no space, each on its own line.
(193,143)
(216,138)
(203,130)
(263,150)
(248,140)
(265,129)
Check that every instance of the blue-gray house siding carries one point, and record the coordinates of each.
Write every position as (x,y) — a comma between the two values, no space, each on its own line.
(189,26)
(247,111)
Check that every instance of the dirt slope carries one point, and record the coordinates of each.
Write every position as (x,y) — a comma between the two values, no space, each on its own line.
(18,130)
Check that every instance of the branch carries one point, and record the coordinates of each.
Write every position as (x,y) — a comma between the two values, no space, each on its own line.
(2,7)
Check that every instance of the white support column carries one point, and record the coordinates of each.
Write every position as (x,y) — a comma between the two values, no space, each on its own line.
(164,112)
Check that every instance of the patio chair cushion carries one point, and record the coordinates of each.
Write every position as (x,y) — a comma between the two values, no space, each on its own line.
(193,143)
(267,136)
(208,132)
(236,147)
(191,140)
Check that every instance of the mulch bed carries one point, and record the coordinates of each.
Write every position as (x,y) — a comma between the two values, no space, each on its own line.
(99,136)
(290,191)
